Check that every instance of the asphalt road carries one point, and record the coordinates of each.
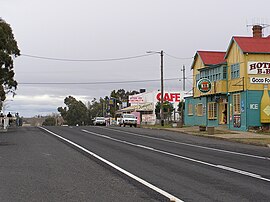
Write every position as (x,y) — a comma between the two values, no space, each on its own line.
(188,167)
(34,166)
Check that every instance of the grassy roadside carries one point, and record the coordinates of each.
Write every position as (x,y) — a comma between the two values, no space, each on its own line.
(218,135)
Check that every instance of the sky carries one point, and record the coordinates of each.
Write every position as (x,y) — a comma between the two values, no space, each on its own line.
(96,46)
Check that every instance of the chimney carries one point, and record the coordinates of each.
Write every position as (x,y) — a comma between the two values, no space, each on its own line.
(257,31)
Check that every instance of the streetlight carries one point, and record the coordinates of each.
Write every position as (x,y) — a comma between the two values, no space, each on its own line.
(161,83)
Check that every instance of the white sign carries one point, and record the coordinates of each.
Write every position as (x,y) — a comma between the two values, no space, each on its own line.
(258,68)
(260,80)
(254,106)
(133,99)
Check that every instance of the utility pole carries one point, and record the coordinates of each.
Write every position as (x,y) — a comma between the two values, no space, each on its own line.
(162,90)
(162,86)
(184,77)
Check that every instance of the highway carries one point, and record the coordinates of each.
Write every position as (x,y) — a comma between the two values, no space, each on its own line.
(183,167)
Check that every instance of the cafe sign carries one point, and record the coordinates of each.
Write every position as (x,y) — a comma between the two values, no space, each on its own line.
(204,85)
(258,68)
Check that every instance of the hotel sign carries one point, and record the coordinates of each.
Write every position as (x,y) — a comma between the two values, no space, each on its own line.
(258,68)
(260,80)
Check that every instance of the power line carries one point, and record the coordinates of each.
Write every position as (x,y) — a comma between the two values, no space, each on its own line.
(85,60)
(93,83)
(178,57)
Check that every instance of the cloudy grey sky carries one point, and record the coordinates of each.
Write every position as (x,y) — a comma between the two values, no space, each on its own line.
(106,29)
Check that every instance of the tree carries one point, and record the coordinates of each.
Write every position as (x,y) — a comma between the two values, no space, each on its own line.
(181,108)
(75,112)
(8,48)
(167,109)
(50,121)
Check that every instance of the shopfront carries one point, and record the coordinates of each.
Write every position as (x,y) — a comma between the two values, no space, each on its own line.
(239,81)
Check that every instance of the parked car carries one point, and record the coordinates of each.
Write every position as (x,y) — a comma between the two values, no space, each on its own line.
(128,119)
(99,121)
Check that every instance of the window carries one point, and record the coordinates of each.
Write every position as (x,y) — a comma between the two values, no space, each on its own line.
(200,109)
(213,74)
(224,72)
(212,110)
(235,71)
(236,103)
(190,111)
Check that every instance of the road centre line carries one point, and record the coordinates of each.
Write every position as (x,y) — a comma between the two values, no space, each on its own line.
(234,170)
(192,145)
(134,177)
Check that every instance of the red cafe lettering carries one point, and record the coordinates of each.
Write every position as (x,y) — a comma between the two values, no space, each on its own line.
(259,67)
(171,97)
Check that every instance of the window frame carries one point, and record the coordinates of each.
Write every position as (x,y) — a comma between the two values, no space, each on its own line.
(235,71)
(199,109)
(237,103)
(212,110)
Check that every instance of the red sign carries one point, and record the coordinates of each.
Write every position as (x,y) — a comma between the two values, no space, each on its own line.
(171,97)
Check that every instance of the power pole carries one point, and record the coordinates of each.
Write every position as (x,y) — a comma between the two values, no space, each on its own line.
(184,77)
(162,90)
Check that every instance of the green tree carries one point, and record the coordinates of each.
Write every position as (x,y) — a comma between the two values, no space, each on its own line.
(75,112)
(50,121)
(181,109)
(167,109)
(119,96)
(8,48)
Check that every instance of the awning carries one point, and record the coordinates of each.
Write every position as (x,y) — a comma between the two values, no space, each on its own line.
(138,108)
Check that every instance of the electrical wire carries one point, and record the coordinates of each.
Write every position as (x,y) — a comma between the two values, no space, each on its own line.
(93,83)
(86,60)
(178,57)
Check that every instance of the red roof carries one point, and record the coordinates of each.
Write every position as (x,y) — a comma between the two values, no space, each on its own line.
(212,57)
(253,45)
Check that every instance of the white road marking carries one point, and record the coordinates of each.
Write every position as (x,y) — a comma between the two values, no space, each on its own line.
(134,177)
(183,157)
(192,145)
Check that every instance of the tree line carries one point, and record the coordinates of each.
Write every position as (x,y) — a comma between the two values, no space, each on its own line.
(78,113)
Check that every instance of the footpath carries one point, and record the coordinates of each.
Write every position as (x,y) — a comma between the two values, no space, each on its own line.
(246,137)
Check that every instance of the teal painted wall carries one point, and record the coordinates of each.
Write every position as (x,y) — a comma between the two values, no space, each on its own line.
(249,117)
(243,116)
(194,120)
(254,108)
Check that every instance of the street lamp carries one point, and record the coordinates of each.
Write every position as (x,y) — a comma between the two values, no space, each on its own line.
(161,83)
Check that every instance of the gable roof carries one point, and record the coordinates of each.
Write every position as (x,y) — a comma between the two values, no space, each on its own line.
(210,57)
(251,44)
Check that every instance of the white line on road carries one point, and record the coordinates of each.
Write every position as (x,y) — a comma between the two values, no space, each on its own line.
(192,145)
(183,157)
(134,177)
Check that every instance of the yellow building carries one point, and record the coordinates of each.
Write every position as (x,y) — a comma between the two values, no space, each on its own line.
(232,87)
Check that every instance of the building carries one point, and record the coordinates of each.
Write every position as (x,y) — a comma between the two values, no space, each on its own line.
(145,104)
(232,88)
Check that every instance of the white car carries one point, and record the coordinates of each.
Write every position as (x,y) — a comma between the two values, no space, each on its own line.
(99,121)
(128,119)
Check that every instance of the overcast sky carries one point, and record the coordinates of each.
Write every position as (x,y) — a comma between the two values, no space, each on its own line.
(106,29)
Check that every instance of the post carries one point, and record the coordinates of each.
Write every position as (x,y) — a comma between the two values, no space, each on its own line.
(184,77)
(162,90)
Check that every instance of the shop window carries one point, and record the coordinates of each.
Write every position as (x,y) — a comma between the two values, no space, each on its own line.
(212,110)
(236,103)
(199,109)
(235,71)
(190,111)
